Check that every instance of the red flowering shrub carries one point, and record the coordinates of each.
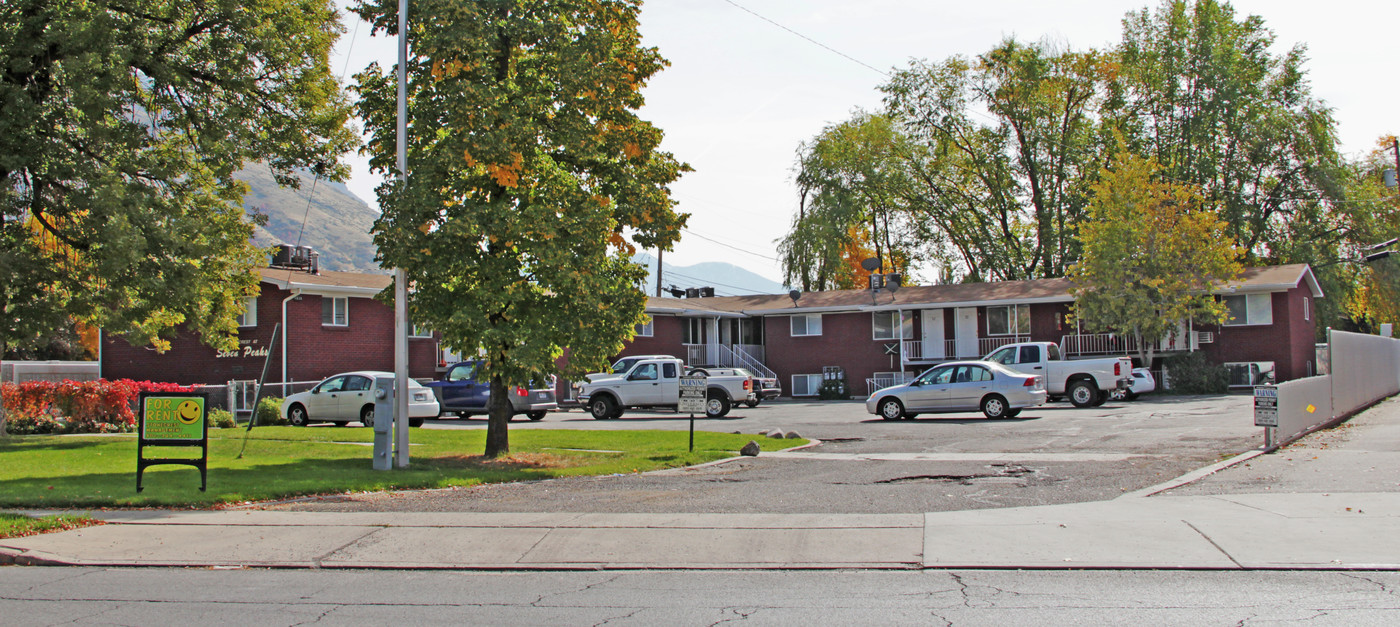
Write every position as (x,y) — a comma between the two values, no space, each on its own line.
(68,406)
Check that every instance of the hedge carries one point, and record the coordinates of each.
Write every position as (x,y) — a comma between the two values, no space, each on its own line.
(99,406)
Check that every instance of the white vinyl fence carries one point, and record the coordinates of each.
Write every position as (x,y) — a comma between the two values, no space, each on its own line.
(21,371)
(1364,369)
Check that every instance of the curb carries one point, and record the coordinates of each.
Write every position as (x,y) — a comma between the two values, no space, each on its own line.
(1195,475)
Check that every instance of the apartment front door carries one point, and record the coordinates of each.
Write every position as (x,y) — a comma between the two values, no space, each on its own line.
(931,321)
(966,333)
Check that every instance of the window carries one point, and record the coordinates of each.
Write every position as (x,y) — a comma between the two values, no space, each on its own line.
(1246,309)
(335,311)
(1250,373)
(668,370)
(644,329)
(883,324)
(644,372)
(249,317)
(1306,313)
(806,384)
(807,324)
(938,375)
(416,330)
(1009,320)
(462,372)
(692,331)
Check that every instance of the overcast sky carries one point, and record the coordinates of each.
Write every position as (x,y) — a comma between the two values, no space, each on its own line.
(751,79)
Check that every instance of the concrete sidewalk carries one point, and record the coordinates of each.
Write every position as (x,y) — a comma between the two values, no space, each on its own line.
(1257,531)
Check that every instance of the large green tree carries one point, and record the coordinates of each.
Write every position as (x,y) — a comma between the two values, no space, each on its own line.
(1005,145)
(854,188)
(528,173)
(122,124)
(1152,252)
(1199,91)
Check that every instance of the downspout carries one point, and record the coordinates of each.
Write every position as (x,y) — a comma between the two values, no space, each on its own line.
(899,313)
(296,294)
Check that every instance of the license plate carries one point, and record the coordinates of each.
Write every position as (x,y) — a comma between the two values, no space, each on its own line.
(541,395)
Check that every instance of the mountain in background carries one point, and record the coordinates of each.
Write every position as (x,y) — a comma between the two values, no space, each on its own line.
(337,225)
(337,222)
(727,279)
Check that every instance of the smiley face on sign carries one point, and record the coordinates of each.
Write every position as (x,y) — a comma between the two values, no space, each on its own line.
(188,412)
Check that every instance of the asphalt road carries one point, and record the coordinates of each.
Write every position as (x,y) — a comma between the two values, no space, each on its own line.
(1050,455)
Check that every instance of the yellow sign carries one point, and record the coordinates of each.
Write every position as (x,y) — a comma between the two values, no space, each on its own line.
(173,418)
(1311,408)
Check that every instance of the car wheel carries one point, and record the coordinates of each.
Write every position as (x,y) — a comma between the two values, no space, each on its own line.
(341,423)
(751,404)
(716,405)
(602,408)
(909,416)
(1130,395)
(891,409)
(367,415)
(415,422)
(1082,394)
(536,415)
(994,406)
(1013,413)
(296,415)
(1102,398)
(1119,395)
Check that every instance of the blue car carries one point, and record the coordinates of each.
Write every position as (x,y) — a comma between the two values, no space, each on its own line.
(460,392)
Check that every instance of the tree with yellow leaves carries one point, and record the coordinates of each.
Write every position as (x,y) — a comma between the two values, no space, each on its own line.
(530,180)
(1152,251)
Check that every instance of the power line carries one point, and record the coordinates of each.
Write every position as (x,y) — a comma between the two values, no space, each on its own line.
(809,39)
(729,245)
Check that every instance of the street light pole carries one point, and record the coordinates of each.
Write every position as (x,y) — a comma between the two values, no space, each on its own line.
(401,277)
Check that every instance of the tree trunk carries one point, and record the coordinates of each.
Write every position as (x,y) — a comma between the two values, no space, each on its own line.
(498,420)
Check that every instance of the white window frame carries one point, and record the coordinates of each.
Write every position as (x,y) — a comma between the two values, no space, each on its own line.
(645,329)
(335,305)
(903,332)
(807,325)
(416,331)
(1013,320)
(813,384)
(1307,312)
(249,317)
(1265,315)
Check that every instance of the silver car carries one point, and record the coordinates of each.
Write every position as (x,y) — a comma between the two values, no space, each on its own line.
(960,386)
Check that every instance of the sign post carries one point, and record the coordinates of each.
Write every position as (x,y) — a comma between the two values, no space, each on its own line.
(173,419)
(692,400)
(1266,411)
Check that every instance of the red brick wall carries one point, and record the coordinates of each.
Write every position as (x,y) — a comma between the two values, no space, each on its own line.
(1288,342)
(665,340)
(846,341)
(314,351)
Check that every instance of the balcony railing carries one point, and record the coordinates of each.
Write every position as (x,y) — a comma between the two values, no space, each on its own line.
(1117,344)
(914,349)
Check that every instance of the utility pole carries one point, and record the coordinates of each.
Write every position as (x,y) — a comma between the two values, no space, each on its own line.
(659,252)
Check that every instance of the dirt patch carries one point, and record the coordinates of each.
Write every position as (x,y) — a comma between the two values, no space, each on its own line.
(517,461)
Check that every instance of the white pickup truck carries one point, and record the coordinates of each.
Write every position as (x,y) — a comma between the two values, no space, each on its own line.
(1087,382)
(655,382)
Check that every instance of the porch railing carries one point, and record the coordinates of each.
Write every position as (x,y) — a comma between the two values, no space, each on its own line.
(883,381)
(914,349)
(748,360)
(1113,343)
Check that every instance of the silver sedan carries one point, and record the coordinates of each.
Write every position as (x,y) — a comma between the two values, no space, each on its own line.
(960,386)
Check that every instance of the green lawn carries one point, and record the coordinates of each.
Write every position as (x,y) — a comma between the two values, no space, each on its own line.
(279,462)
(16,525)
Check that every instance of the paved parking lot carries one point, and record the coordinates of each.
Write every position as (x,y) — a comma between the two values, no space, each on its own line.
(1050,455)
